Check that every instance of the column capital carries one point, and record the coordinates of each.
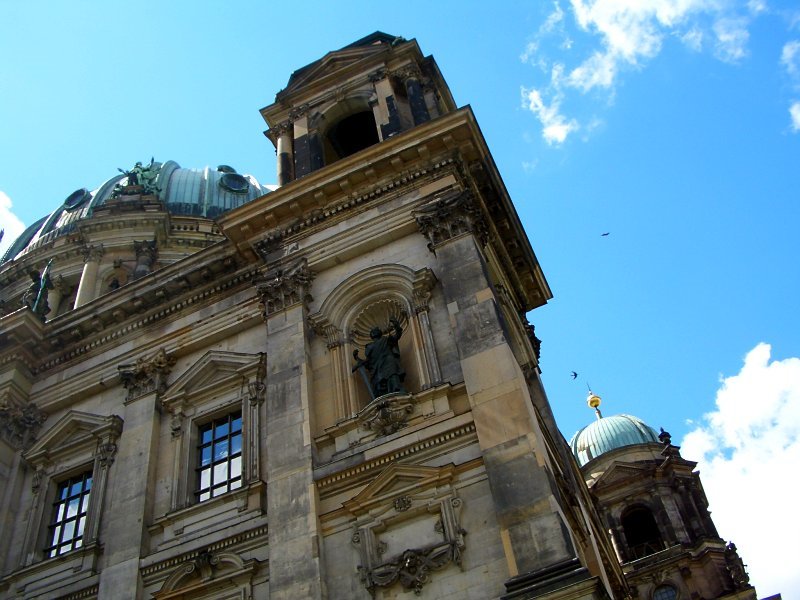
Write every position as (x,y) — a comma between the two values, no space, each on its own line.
(92,253)
(449,216)
(285,286)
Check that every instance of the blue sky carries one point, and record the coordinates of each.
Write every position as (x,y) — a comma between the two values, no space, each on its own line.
(671,125)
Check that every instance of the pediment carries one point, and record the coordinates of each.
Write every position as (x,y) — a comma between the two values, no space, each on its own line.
(622,472)
(331,63)
(214,370)
(397,480)
(74,430)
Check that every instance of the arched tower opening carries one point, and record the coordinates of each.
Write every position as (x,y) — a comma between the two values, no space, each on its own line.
(349,135)
(641,532)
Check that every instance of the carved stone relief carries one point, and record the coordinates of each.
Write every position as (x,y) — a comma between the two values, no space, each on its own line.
(407,527)
(19,422)
(284,287)
(147,375)
(449,216)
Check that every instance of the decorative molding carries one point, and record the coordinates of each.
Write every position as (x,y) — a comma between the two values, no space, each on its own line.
(407,71)
(284,287)
(273,133)
(413,567)
(106,453)
(450,216)
(147,375)
(424,502)
(154,317)
(19,422)
(257,389)
(317,216)
(365,468)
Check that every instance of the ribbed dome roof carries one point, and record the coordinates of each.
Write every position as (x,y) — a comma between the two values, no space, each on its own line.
(192,192)
(609,433)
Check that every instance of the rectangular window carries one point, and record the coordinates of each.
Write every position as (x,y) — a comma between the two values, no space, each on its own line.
(69,515)
(219,456)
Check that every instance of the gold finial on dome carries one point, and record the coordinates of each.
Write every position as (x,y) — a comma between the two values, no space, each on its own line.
(593,400)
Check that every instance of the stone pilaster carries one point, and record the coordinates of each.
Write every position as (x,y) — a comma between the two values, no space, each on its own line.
(134,456)
(295,564)
(534,535)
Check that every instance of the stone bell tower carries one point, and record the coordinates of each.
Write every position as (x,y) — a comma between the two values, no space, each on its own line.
(391,210)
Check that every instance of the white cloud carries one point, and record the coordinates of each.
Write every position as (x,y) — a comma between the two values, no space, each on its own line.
(693,39)
(623,36)
(790,58)
(9,222)
(732,37)
(794,113)
(555,126)
(747,450)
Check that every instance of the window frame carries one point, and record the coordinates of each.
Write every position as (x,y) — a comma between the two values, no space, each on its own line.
(78,443)
(58,520)
(213,423)
(219,383)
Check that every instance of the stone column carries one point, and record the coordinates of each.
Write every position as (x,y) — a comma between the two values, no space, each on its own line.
(55,295)
(282,134)
(422,295)
(411,77)
(295,564)
(86,288)
(534,536)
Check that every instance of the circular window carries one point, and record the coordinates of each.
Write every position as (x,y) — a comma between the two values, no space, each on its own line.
(233,182)
(76,198)
(665,592)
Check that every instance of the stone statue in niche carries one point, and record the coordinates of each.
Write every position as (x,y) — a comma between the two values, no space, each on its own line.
(386,373)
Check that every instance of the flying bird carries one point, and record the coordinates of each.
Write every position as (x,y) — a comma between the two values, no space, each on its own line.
(574,375)
(604,234)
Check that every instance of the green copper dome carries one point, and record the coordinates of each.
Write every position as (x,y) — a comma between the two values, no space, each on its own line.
(205,193)
(610,433)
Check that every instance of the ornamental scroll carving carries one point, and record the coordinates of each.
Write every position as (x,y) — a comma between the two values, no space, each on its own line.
(413,567)
(424,511)
(284,287)
(147,375)
(449,216)
(19,422)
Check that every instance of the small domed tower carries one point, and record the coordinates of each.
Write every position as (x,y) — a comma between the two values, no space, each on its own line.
(653,503)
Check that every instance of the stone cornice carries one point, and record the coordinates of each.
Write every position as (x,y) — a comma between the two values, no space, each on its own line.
(160,295)
(453,141)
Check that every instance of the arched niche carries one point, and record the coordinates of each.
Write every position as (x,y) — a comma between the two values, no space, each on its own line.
(369,299)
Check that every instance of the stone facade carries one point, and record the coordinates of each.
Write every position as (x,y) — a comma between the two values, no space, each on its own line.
(188,423)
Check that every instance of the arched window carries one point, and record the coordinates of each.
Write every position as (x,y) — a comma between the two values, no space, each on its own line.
(350,134)
(665,592)
(641,532)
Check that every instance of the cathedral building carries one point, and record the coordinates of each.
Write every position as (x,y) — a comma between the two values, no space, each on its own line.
(211,388)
